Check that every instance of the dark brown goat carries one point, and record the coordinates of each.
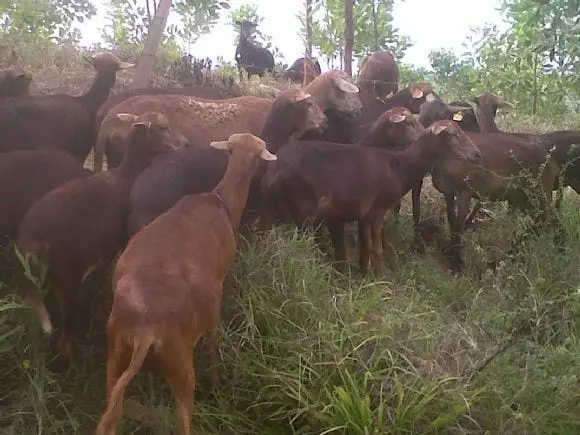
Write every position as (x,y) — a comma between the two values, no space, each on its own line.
(458,111)
(342,129)
(198,170)
(81,224)
(14,82)
(164,311)
(255,60)
(379,74)
(303,70)
(59,121)
(26,176)
(339,183)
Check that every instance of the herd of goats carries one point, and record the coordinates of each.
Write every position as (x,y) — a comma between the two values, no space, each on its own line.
(187,168)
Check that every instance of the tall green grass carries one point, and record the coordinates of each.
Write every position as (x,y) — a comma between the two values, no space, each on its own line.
(308,351)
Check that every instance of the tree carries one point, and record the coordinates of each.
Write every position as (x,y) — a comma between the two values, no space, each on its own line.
(348,35)
(145,64)
(129,20)
(44,19)
(373,29)
(309,28)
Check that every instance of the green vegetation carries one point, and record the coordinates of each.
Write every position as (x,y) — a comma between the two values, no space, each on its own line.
(306,350)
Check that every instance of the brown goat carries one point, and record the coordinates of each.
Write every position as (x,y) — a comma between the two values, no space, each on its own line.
(59,121)
(191,91)
(379,74)
(81,224)
(26,176)
(502,156)
(556,142)
(339,183)
(163,311)
(14,82)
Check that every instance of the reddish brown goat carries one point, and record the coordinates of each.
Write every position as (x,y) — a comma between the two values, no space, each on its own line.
(14,82)
(192,91)
(339,183)
(379,74)
(164,311)
(81,224)
(26,176)
(59,121)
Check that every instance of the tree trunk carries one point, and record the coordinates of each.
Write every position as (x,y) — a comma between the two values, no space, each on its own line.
(309,29)
(348,36)
(145,64)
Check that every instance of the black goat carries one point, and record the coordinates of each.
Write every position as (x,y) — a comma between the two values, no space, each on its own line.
(255,60)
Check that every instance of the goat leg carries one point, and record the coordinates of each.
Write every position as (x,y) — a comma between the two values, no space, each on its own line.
(365,243)
(416,200)
(463,201)
(377,226)
(473,212)
(336,230)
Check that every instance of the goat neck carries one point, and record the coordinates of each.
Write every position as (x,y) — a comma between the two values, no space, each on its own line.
(234,187)
(276,131)
(486,119)
(399,98)
(137,157)
(415,161)
(380,136)
(99,90)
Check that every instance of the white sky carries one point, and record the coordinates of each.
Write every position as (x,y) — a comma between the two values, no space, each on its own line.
(431,24)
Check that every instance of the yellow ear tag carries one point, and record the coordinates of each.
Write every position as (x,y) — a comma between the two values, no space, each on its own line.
(457,116)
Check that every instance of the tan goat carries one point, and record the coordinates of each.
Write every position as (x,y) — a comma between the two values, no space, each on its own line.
(168,285)
(202,120)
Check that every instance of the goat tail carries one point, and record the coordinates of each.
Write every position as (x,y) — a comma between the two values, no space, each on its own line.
(141,346)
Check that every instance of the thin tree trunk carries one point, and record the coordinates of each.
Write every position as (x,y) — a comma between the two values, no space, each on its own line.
(309,28)
(375,25)
(145,64)
(348,36)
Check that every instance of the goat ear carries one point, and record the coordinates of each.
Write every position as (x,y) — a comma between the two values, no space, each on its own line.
(267,155)
(396,118)
(22,76)
(140,124)
(416,92)
(506,105)
(438,128)
(430,97)
(221,145)
(345,86)
(126,117)
(271,89)
(125,65)
(301,96)
(89,59)
(458,108)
